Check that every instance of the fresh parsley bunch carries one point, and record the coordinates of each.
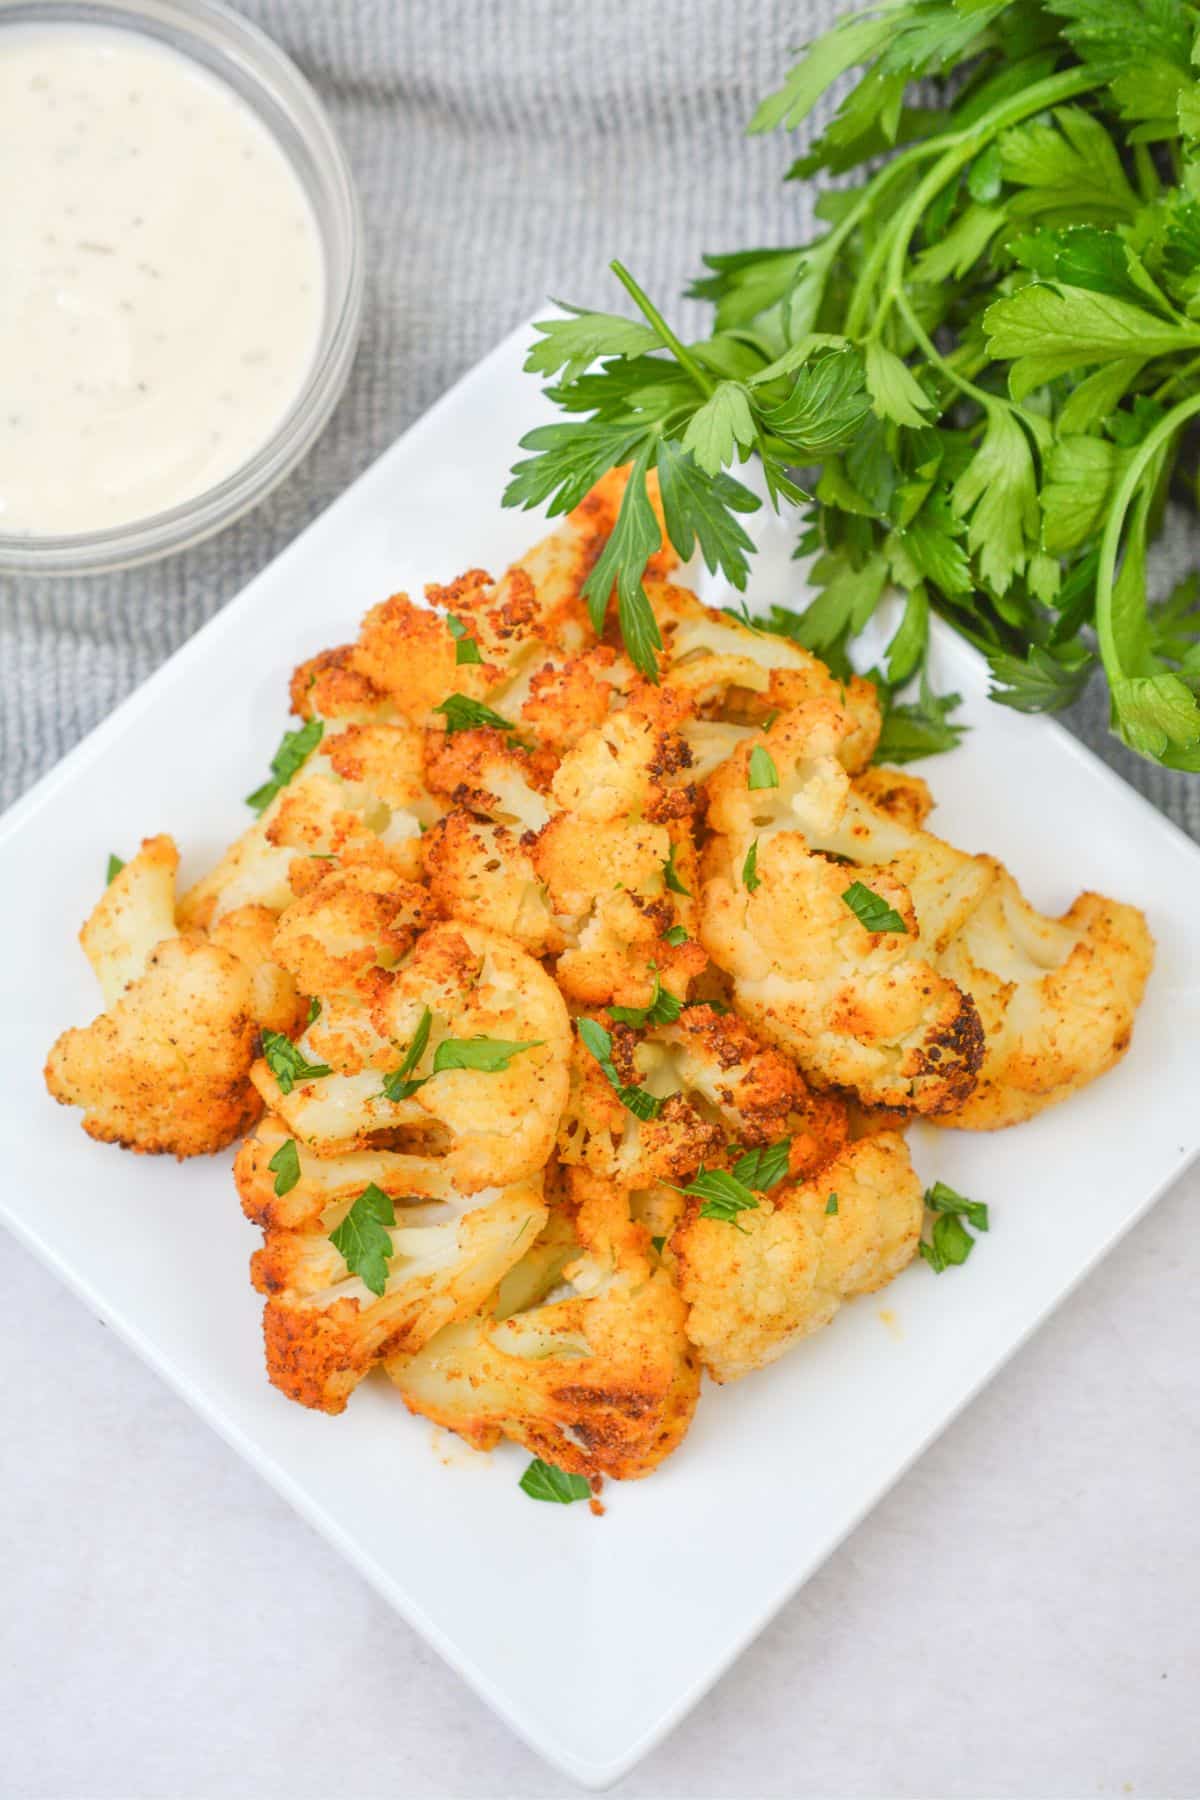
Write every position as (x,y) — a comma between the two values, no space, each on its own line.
(990,354)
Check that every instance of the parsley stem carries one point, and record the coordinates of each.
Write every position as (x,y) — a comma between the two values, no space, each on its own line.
(958,149)
(649,311)
(1110,542)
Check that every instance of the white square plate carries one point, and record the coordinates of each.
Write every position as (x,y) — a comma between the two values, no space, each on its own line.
(663,1592)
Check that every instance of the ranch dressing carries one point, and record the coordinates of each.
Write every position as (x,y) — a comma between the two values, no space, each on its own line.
(161,279)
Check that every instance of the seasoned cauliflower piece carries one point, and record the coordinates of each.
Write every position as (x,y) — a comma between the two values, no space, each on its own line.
(408,653)
(783,1270)
(1057,997)
(328,686)
(324,1328)
(483,874)
(360,795)
(249,933)
(859,1009)
(601,1382)
(743,675)
(134,914)
(164,1069)
(483,1120)
(354,919)
(717,1083)
(482,771)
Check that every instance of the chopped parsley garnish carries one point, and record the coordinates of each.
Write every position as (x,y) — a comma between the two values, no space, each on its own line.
(287,1062)
(463,714)
(663,1009)
(294,751)
(658,1243)
(676,936)
(546,1481)
(285,1166)
(723,1195)
(466,650)
(765,1166)
(363,1240)
(314,1010)
(762,772)
(950,1243)
(672,877)
(871,909)
(751,879)
(637,1100)
(399,1085)
(831,1205)
(115,865)
(489,1055)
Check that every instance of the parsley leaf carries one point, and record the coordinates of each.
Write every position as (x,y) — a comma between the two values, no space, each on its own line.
(293,752)
(546,1481)
(723,1196)
(676,936)
(466,650)
(287,1062)
(872,910)
(918,728)
(115,865)
(285,1165)
(941,1198)
(751,879)
(464,714)
(401,1084)
(637,1100)
(569,346)
(491,1056)
(762,772)
(671,875)
(363,1241)
(831,1205)
(663,1009)
(764,1167)
(701,510)
(950,1243)
(632,542)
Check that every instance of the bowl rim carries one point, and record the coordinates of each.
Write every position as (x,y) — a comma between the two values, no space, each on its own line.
(266,70)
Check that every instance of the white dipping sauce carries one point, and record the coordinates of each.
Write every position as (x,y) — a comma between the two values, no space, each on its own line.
(161,279)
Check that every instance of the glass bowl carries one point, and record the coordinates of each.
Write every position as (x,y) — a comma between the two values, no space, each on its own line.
(272,86)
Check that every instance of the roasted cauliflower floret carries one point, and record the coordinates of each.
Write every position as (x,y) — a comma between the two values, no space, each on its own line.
(483,874)
(328,686)
(359,796)
(716,1084)
(356,918)
(858,1008)
(600,1383)
(782,1271)
(249,933)
(325,1328)
(164,1069)
(482,771)
(733,672)
(133,915)
(1057,997)
(480,1033)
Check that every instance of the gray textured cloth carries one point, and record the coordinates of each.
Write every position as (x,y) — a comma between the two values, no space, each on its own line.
(503,151)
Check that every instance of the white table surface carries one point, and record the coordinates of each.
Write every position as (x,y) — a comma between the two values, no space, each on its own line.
(1021,1616)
